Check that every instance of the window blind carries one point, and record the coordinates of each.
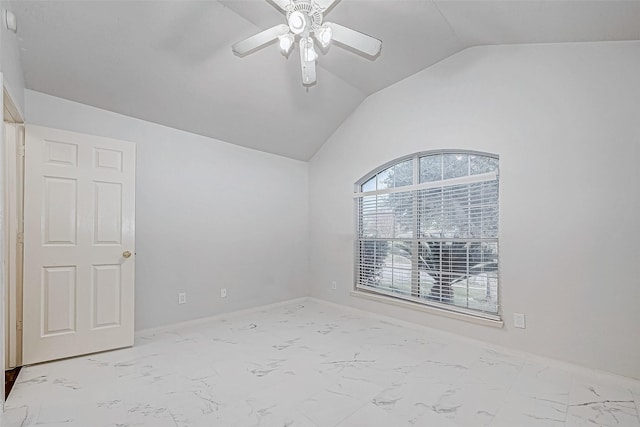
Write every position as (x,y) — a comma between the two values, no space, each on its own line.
(427,231)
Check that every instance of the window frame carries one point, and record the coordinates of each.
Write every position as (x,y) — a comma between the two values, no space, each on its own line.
(449,310)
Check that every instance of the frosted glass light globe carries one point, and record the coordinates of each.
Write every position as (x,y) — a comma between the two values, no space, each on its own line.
(286,43)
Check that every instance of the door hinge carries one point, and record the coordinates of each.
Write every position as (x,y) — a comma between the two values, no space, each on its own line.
(21,141)
(19,325)
(20,237)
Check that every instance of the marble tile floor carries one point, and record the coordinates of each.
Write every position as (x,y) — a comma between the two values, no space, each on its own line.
(311,364)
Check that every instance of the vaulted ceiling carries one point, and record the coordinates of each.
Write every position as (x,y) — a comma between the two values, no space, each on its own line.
(170,62)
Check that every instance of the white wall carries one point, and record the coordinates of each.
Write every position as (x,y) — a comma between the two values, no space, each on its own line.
(208,215)
(565,120)
(10,63)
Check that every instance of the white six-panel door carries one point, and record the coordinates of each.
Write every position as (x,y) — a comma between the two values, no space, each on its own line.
(79,236)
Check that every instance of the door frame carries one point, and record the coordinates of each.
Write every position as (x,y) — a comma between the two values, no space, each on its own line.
(13,254)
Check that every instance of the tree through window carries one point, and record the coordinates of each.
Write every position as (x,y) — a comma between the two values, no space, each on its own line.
(427,230)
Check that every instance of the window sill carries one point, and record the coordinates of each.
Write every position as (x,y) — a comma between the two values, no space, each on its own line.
(427,309)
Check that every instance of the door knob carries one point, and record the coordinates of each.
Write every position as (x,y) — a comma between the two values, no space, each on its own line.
(126,254)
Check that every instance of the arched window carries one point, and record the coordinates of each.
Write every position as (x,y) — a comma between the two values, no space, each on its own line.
(427,231)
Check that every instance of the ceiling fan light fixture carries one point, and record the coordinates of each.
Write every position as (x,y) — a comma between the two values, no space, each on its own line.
(323,34)
(309,53)
(297,22)
(305,25)
(286,43)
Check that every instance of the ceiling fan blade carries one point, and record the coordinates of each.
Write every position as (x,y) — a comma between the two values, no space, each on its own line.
(355,39)
(308,70)
(254,42)
(284,5)
(326,5)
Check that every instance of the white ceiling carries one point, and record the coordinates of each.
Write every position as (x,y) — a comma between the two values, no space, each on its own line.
(170,62)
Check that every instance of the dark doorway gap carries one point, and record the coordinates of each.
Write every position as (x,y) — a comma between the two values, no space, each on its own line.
(10,378)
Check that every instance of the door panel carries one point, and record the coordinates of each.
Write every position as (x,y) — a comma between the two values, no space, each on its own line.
(108,159)
(60,211)
(108,213)
(106,295)
(61,153)
(59,300)
(79,222)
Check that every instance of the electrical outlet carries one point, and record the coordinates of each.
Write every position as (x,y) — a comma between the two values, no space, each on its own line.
(223,293)
(518,320)
(334,285)
(182,297)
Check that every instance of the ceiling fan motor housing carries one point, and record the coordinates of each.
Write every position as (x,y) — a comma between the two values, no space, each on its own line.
(310,9)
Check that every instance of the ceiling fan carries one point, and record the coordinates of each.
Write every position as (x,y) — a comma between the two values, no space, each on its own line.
(304,19)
